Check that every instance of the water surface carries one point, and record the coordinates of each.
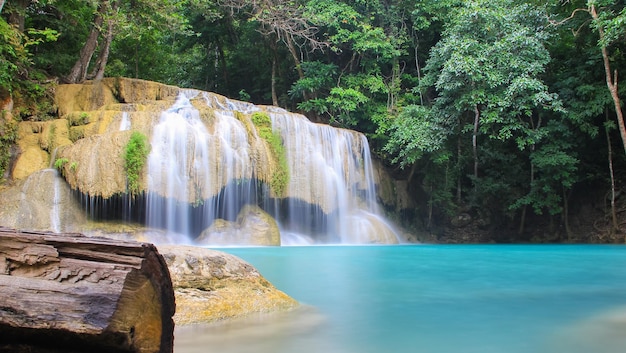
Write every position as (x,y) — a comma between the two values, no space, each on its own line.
(432,299)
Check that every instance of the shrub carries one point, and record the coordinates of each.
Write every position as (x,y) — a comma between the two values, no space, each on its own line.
(280,176)
(135,156)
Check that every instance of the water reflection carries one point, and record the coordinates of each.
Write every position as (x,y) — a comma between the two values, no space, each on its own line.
(432,299)
(294,330)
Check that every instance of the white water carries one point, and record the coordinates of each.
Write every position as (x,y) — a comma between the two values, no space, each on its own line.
(125,123)
(333,167)
(40,204)
(55,218)
(330,197)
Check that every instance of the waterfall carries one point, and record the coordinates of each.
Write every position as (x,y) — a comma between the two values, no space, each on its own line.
(55,219)
(40,202)
(204,168)
(333,168)
(125,123)
(188,165)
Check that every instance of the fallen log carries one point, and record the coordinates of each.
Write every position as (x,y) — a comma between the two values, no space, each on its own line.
(71,293)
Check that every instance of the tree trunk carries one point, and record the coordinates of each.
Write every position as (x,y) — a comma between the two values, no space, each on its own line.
(70,293)
(103,56)
(16,13)
(614,223)
(274,64)
(475,140)
(611,80)
(294,55)
(459,185)
(565,215)
(78,73)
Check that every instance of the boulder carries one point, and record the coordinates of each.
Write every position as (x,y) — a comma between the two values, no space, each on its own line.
(252,227)
(210,285)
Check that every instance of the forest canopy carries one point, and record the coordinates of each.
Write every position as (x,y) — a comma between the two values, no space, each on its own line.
(507,107)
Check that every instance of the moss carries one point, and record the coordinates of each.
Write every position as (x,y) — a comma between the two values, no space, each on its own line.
(8,135)
(60,162)
(136,153)
(78,119)
(76,133)
(52,134)
(280,177)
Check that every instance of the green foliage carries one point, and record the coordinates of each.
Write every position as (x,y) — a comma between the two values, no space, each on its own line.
(18,77)
(319,78)
(60,163)
(408,74)
(13,54)
(135,155)
(412,134)
(280,177)
(8,136)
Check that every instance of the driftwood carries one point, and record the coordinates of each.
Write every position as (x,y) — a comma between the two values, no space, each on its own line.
(71,293)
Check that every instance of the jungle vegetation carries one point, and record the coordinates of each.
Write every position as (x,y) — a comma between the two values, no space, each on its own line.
(509,108)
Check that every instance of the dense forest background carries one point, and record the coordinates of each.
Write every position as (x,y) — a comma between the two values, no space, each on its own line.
(503,114)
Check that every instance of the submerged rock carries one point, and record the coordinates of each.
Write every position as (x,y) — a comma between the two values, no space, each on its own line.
(210,285)
(252,227)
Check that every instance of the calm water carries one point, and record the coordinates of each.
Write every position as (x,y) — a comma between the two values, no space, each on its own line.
(432,299)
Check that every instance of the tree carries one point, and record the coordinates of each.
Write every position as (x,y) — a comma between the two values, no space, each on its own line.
(135,16)
(610,28)
(284,20)
(78,73)
(607,18)
(488,66)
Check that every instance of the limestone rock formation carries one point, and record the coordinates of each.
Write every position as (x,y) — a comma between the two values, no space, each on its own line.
(207,151)
(42,202)
(252,227)
(210,285)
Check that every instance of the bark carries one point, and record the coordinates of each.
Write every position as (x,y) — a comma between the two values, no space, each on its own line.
(294,54)
(16,13)
(103,56)
(70,293)
(565,214)
(459,185)
(475,140)
(274,66)
(78,73)
(611,80)
(614,222)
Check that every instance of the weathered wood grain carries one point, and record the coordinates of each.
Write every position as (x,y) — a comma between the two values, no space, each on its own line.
(71,293)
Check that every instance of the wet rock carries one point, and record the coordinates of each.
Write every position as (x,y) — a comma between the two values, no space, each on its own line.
(252,227)
(211,285)
(43,201)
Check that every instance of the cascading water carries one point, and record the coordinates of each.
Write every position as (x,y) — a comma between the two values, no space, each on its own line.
(41,201)
(201,169)
(188,165)
(333,168)
(125,124)
(55,219)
